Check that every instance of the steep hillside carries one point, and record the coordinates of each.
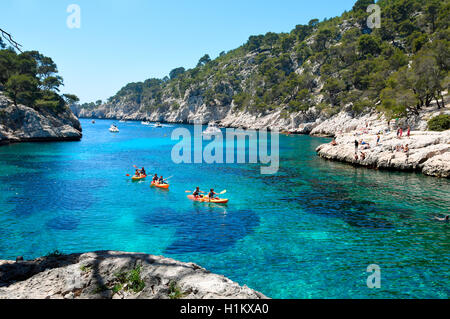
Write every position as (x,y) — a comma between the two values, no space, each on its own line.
(295,80)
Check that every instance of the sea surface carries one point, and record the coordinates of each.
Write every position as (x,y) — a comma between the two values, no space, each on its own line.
(309,231)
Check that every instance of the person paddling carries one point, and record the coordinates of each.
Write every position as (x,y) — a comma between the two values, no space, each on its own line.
(197,192)
(212,193)
(137,174)
(143,172)
(155,178)
(161,180)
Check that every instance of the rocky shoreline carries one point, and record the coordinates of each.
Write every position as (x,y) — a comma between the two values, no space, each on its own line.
(423,151)
(426,152)
(24,124)
(114,275)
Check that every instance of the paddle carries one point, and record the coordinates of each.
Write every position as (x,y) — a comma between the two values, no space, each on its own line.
(192,192)
(165,179)
(221,193)
(128,175)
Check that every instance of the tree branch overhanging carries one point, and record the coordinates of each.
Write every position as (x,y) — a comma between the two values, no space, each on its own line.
(9,38)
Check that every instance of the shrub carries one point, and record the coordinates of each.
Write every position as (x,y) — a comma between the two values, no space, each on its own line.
(439,123)
(131,278)
(175,291)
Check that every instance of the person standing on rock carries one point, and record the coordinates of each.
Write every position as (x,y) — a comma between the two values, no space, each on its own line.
(408,133)
(400,132)
(406,150)
(356,146)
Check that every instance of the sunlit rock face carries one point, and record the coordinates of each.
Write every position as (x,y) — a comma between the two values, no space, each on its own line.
(106,275)
(24,124)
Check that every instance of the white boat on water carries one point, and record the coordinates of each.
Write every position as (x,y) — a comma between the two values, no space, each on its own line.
(157,124)
(122,121)
(212,129)
(145,123)
(113,129)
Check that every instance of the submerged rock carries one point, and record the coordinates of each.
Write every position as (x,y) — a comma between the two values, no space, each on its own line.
(117,275)
(25,124)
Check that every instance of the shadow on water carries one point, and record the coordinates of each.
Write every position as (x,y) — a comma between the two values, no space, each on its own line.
(204,228)
(338,202)
(63,223)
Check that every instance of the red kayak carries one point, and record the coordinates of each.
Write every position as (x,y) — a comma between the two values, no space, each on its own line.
(206,199)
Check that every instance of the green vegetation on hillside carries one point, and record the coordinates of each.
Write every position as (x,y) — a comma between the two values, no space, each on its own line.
(32,79)
(439,123)
(334,64)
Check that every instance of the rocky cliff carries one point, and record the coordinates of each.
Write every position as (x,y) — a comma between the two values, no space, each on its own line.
(24,124)
(116,275)
(226,116)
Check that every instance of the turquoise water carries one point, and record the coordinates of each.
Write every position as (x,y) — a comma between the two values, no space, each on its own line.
(310,231)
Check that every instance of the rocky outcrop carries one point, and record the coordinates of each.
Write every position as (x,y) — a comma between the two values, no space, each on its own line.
(426,152)
(117,275)
(24,124)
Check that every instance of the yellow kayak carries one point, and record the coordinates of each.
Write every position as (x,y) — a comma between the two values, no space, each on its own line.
(138,178)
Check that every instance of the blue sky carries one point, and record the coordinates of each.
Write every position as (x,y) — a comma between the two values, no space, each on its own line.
(129,41)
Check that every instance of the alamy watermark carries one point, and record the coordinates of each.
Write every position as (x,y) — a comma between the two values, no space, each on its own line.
(374,279)
(74,19)
(234,147)
(374,20)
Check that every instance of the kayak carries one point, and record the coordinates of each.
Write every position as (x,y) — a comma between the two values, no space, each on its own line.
(207,200)
(136,178)
(160,185)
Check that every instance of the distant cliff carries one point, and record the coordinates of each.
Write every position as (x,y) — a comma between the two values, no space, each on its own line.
(296,80)
(25,124)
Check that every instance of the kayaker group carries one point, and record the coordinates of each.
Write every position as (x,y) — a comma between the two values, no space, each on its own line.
(198,193)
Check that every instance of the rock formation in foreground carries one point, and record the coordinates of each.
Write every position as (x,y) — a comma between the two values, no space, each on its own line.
(25,124)
(117,275)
